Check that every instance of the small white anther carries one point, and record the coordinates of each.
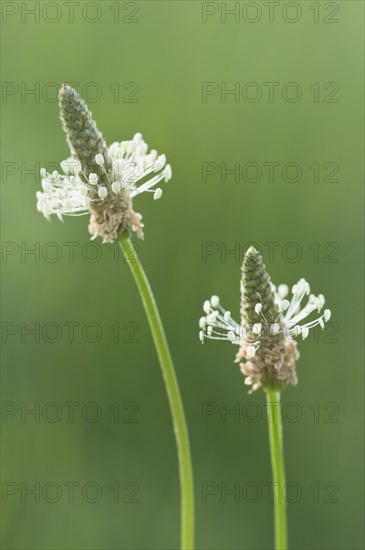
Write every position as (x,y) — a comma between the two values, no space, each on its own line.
(284,304)
(227,316)
(160,163)
(283,291)
(321,323)
(305,286)
(202,322)
(167,172)
(327,315)
(93,179)
(201,336)
(256,329)
(258,308)
(99,159)
(305,332)
(231,336)
(206,306)
(116,187)
(214,301)
(43,172)
(209,330)
(153,155)
(157,194)
(274,328)
(102,192)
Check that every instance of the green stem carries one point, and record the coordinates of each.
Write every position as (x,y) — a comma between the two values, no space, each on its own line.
(173,393)
(278,468)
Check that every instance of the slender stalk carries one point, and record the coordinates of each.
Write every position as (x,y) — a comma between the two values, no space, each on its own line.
(173,393)
(278,468)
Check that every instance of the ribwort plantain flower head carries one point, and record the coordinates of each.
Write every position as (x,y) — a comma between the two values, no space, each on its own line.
(98,180)
(270,323)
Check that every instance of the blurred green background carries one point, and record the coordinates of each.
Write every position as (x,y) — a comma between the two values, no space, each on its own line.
(313,228)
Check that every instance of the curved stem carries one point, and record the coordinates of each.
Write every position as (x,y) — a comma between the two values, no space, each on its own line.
(278,468)
(173,393)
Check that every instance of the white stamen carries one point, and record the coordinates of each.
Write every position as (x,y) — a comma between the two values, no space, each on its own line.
(258,308)
(283,291)
(160,163)
(157,194)
(116,187)
(102,192)
(99,159)
(167,172)
(214,301)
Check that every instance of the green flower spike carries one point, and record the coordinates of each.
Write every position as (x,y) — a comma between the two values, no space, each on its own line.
(269,325)
(98,180)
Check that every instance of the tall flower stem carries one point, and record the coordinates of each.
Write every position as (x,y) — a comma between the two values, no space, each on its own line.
(172,389)
(278,468)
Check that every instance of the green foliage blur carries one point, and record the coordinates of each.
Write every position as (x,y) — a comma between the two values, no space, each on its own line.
(99,451)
